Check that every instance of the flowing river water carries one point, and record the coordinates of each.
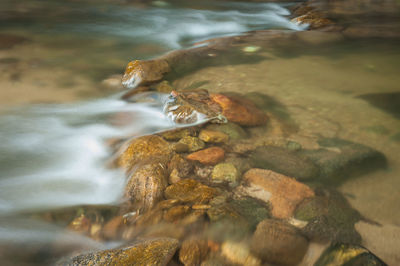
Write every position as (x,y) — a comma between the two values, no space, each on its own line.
(58,112)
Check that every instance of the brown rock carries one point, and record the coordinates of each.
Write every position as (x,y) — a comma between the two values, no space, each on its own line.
(240,111)
(148,252)
(8,41)
(112,228)
(193,143)
(193,251)
(278,242)
(213,136)
(176,213)
(282,192)
(177,134)
(209,156)
(180,164)
(141,72)
(80,224)
(190,191)
(146,185)
(239,253)
(142,149)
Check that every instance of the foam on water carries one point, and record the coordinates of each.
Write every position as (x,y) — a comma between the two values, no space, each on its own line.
(56,155)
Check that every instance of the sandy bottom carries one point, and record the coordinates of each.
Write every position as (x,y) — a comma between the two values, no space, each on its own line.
(319,87)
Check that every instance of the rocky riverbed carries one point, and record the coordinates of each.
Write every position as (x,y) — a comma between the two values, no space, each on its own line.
(279,172)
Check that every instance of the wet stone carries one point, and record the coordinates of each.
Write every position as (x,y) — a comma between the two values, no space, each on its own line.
(225,172)
(281,192)
(176,213)
(348,255)
(203,171)
(330,218)
(146,185)
(277,242)
(180,164)
(147,252)
(193,143)
(233,130)
(209,156)
(242,164)
(239,253)
(340,159)
(213,136)
(190,191)
(142,149)
(240,111)
(284,161)
(188,107)
(193,251)
(142,72)
(177,134)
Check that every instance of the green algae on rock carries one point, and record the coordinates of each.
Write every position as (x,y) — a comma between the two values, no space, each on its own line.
(330,218)
(233,130)
(213,136)
(284,161)
(193,143)
(158,251)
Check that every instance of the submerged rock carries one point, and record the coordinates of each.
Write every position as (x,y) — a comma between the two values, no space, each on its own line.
(213,136)
(348,255)
(209,156)
(143,149)
(339,159)
(193,251)
(141,72)
(284,161)
(277,242)
(330,218)
(8,41)
(193,143)
(225,172)
(281,192)
(146,185)
(190,191)
(233,130)
(240,111)
(239,253)
(157,251)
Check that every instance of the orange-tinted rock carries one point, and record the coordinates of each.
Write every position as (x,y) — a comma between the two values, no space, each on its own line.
(190,191)
(176,213)
(142,149)
(208,156)
(240,111)
(112,228)
(146,185)
(141,72)
(282,192)
(193,251)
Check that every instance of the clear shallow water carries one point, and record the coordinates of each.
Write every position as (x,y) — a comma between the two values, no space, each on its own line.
(55,155)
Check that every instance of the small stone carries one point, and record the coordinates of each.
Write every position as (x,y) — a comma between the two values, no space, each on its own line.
(177,134)
(179,147)
(180,164)
(157,251)
(209,156)
(213,136)
(143,149)
(233,130)
(239,253)
(176,213)
(251,49)
(193,252)
(240,111)
(225,172)
(282,192)
(277,242)
(203,171)
(142,72)
(193,143)
(190,191)
(80,224)
(146,185)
